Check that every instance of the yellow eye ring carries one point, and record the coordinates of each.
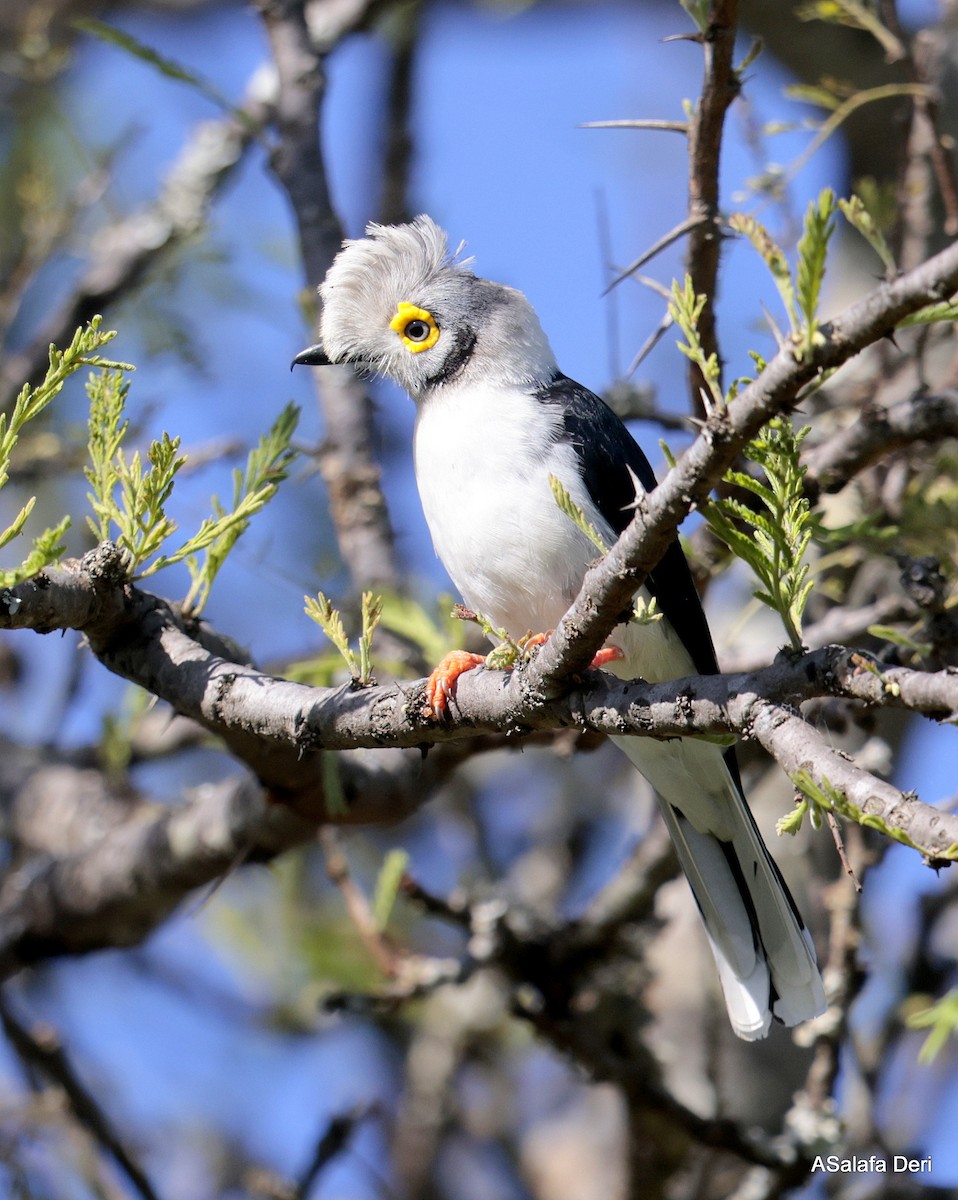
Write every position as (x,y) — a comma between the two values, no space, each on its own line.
(416,327)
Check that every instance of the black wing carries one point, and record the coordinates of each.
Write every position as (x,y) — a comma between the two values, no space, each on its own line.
(606,450)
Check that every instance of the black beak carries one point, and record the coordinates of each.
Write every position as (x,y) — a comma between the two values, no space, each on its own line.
(312,356)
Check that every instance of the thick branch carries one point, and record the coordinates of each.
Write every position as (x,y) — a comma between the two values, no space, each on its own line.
(281,729)
(608,588)
(923,417)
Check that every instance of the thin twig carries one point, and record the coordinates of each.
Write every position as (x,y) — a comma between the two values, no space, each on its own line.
(357,904)
(41,1049)
(662,243)
(638,123)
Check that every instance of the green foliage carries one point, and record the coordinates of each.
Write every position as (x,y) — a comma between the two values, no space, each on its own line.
(862,217)
(644,612)
(946,310)
(801,292)
(772,535)
(685,309)
(810,269)
(388,883)
(575,514)
(167,67)
(129,495)
(139,512)
(941,1018)
(115,746)
(432,632)
(825,797)
(329,619)
(854,14)
(507,651)
(267,465)
(30,403)
(904,641)
(774,258)
(698,10)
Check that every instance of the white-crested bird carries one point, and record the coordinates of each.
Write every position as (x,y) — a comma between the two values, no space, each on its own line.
(495,418)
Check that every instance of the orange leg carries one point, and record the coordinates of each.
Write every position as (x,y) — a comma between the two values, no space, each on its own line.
(441,684)
(606,655)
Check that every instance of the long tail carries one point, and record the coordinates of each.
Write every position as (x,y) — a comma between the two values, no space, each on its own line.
(766,961)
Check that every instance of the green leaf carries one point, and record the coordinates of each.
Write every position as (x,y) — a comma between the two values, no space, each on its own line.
(861,219)
(773,535)
(166,66)
(387,886)
(774,258)
(267,465)
(810,271)
(29,404)
(947,311)
(942,1019)
(319,609)
(685,309)
(575,514)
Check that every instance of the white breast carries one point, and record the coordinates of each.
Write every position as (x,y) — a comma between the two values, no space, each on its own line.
(483,460)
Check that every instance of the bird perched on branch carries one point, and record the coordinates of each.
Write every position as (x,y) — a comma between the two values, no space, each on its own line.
(497,421)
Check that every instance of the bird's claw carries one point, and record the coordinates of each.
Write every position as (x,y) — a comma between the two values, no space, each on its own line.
(441,684)
(604,656)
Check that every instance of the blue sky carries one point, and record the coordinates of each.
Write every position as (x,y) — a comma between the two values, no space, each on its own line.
(502,162)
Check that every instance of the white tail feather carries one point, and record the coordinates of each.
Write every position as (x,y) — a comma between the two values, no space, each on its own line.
(765,958)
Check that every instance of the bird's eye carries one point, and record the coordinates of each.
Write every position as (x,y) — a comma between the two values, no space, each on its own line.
(416,327)
(416,330)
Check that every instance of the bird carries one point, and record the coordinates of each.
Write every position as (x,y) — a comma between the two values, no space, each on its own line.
(496,419)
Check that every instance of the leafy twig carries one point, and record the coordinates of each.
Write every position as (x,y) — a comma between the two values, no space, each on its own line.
(778,528)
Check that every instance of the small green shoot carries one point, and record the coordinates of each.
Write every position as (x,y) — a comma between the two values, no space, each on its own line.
(388,883)
(801,293)
(30,403)
(685,309)
(129,495)
(941,1018)
(267,465)
(575,514)
(772,535)
(810,270)
(863,221)
(507,651)
(329,619)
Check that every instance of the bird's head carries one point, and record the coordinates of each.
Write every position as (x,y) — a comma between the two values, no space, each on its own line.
(397,303)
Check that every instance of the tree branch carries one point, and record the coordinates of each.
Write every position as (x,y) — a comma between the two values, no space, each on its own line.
(123,252)
(878,431)
(346,461)
(280,729)
(720,86)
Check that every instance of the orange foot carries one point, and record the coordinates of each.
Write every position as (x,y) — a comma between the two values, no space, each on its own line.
(606,655)
(441,684)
